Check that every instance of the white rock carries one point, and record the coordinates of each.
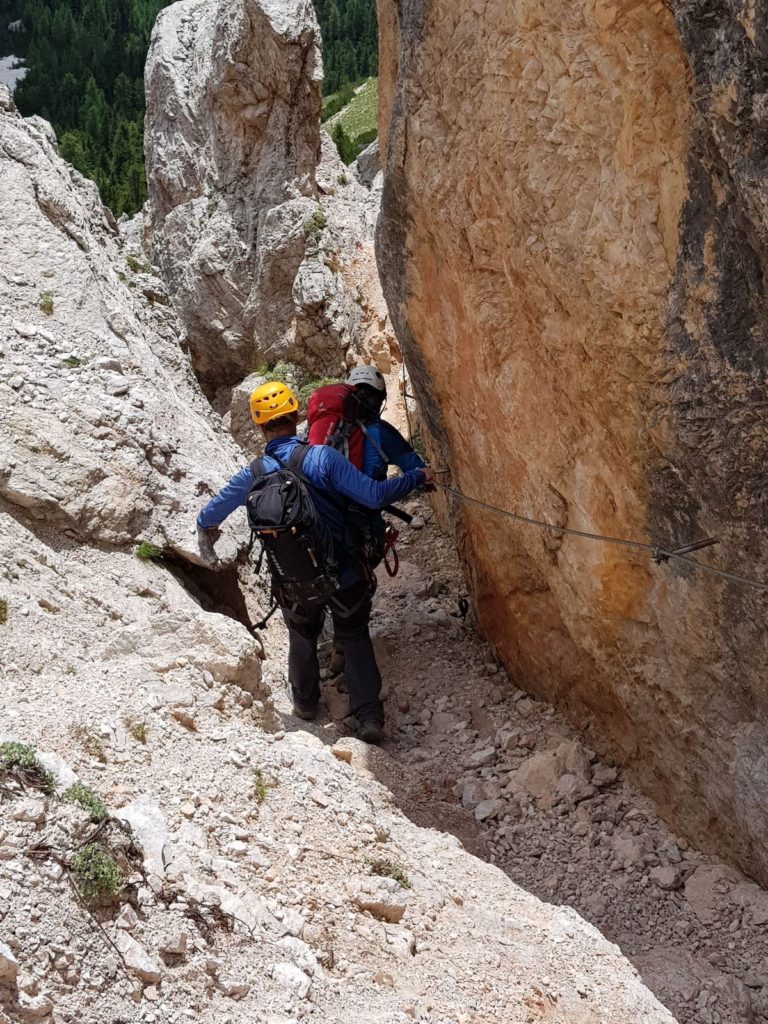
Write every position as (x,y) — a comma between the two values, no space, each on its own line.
(148,824)
(176,945)
(9,966)
(383,897)
(489,809)
(127,918)
(291,977)
(34,1007)
(136,958)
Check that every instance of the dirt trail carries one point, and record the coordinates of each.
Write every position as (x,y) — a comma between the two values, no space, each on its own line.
(468,751)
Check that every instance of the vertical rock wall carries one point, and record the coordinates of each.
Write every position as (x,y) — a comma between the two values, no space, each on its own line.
(572,244)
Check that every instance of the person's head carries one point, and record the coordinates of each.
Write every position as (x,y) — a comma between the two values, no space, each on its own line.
(275,409)
(370,389)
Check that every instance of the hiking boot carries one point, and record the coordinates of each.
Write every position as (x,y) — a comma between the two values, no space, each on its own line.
(336,664)
(371,732)
(308,712)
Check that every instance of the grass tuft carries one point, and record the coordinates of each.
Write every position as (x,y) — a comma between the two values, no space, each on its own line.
(390,869)
(72,361)
(98,876)
(148,552)
(138,266)
(83,795)
(46,303)
(136,728)
(259,790)
(89,741)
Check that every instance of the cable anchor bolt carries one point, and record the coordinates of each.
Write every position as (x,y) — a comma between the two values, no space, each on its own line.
(660,555)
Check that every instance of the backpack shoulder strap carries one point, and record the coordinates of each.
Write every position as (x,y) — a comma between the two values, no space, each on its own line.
(296,465)
(257,468)
(369,437)
(296,461)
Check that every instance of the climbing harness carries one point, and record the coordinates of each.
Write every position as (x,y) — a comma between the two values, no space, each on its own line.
(658,554)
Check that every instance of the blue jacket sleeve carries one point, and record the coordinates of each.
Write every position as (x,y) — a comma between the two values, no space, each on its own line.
(231,496)
(338,474)
(395,448)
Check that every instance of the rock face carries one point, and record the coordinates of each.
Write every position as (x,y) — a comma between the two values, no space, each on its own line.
(257,842)
(266,255)
(573,244)
(105,441)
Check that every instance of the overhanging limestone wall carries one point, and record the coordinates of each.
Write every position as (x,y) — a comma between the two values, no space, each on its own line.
(573,247)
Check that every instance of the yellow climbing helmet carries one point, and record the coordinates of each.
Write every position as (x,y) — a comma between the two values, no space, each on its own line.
(270,401)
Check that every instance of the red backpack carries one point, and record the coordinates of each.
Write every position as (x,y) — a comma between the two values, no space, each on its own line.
(332,414)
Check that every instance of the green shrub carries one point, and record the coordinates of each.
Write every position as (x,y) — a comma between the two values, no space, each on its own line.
(259,790)
(390,869)
(22,760)
(3,611)
(83,795)
(46,303)
(98,876)
(72,361)
(148,552)
(18,755)
(313,226)
(138,266)
(303,382)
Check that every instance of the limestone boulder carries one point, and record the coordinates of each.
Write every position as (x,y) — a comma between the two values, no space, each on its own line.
(264,239)
(573,243)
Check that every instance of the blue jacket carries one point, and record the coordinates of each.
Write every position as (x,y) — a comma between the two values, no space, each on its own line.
(392,443)
(329,471)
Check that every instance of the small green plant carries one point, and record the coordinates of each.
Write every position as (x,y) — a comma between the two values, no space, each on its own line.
(18,755)
(137,265)
(83,795)
(3,611)
(303,382)
(148,552)
(22,761)
(121,276)
(259,790)
(343,179)
(313,226)
(72,361)
(417,443)
(98,876)
(89,741)
(213,202)
(262,370)
(46,303)
(136,728)
(390,869)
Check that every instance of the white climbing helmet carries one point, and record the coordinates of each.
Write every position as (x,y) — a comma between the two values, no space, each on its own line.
(367,375)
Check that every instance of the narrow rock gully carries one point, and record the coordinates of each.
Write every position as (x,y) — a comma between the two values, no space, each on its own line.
(470,752)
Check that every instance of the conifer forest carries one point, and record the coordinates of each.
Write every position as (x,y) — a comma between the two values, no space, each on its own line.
(85,70)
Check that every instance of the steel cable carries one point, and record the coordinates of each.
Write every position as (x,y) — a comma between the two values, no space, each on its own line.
(657,553)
